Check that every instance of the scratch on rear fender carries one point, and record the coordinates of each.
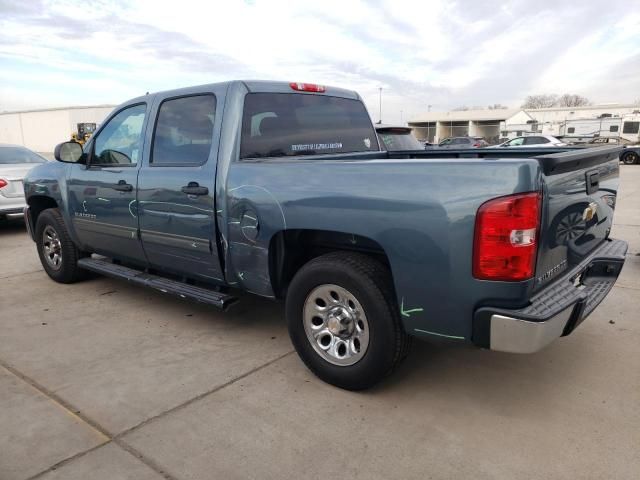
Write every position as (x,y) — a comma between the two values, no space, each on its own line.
(407,313)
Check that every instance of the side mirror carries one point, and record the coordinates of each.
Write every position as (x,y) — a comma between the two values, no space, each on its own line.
(68,152)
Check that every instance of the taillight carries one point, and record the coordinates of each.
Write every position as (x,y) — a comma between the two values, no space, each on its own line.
(3,183)
(476,144)
(506,237)
(307,87)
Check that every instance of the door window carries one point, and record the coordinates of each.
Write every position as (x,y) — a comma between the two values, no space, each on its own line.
(120,141)
(535,140)
(184,131)
(516,141)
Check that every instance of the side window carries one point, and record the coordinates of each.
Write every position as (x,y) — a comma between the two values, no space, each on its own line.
(184,131)
(120,141)
(630,127)
(446,141)
(516,141)
(535,140)
(613,128)
(460,141)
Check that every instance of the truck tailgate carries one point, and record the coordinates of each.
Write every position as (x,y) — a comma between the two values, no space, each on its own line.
(580,190)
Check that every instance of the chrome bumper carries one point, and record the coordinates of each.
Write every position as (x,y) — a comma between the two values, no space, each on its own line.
(556,310)
(514,335)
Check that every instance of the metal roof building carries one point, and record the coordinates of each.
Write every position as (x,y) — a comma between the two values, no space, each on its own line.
(494,124)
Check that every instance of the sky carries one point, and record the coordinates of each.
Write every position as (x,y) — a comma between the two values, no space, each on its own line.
(437,54)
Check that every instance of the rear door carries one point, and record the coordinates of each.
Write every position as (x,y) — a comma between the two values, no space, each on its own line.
(176,185)
(580,194)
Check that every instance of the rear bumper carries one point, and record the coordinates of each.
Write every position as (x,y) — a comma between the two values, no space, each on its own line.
(556,310)
(11,211)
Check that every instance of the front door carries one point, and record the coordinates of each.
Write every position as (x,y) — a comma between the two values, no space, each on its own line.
(102,193)
(176,188)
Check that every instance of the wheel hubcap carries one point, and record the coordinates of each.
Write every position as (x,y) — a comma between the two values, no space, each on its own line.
(52,247)
(336,325)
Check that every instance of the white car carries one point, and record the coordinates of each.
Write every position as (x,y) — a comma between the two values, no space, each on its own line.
(15,162)
(533,141)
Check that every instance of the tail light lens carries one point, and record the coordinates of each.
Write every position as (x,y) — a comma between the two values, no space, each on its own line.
(3,183)
(506,238)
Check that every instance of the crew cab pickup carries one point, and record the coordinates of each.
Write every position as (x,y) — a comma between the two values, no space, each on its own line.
(282,190)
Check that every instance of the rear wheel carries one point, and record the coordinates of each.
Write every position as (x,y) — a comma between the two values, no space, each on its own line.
(58,254)
(344,321)
(630,158)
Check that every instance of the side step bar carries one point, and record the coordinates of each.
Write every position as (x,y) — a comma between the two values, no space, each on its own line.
(164,285)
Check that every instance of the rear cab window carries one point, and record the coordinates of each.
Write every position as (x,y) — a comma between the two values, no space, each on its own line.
(292,124)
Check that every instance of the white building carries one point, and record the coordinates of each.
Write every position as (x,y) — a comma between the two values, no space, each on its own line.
(42,130)
(509,123)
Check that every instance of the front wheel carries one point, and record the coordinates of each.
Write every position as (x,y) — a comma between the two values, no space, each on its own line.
(630,158)
(58,254)
(343,320)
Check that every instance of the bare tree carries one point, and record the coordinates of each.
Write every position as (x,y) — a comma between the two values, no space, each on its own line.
(572,100)
(497,106)
(540,101)
(461,108)
(554,100)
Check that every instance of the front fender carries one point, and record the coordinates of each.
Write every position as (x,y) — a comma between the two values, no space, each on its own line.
(48,182)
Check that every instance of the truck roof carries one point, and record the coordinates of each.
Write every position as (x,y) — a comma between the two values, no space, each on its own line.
(254,86)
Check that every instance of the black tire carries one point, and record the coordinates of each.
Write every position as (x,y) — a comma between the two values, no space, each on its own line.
(630,158)
(67,271)
(370,283)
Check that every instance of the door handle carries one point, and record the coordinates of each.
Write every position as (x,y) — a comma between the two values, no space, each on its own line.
(194,189)
(123,186)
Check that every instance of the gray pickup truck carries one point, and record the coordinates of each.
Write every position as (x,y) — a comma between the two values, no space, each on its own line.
(282,190)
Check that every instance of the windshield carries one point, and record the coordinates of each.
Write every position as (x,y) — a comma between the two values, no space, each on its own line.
(400,141)
(288,124)
(19,155)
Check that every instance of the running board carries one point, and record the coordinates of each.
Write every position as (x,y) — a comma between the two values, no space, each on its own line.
(164,285)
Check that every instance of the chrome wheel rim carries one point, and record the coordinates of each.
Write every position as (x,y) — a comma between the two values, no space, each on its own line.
(336,325)
(52,247)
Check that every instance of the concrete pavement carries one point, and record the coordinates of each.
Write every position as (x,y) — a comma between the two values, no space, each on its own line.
(103,380)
